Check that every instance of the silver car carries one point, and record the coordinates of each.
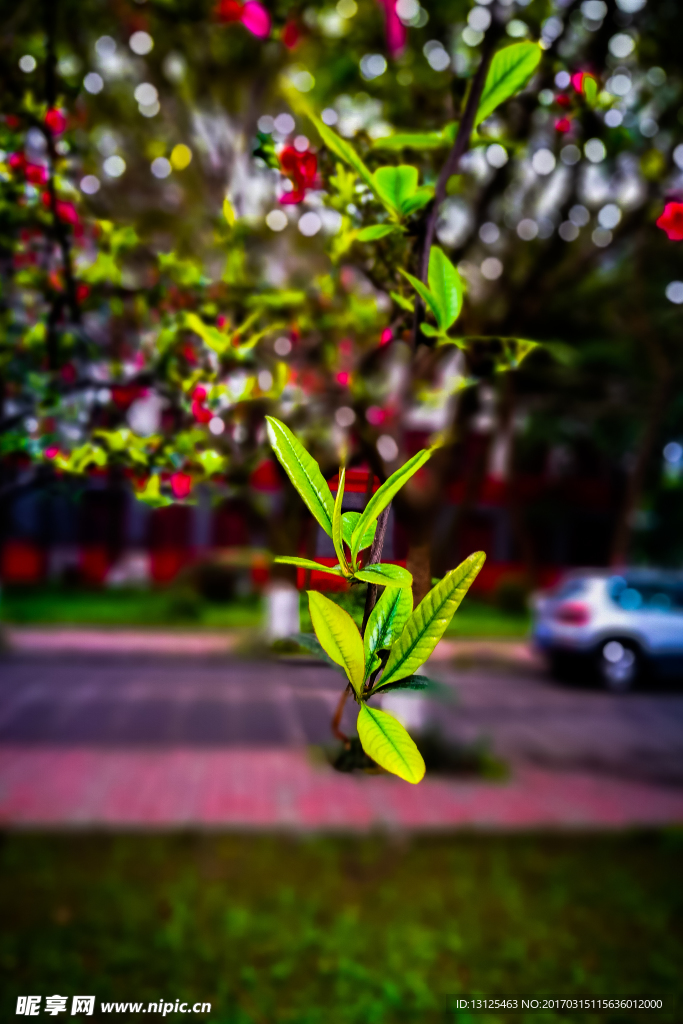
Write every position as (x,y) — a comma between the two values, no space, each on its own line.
(623,627)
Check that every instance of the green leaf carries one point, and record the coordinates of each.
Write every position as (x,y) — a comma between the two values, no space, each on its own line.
(511,68)
(427,624)
(212,337)
(306,563)
(423,291)
(375,231)
(387,742)
(446,287)
(386,621)
(349,520)
(589,88)
(384,494)
(394,185)
(410,683)
(211,462)
(431,331)
(384,575)
(303,471)
(403,302)
(337,538)
(151,494)
(411,140)
(417,200)
(339,636)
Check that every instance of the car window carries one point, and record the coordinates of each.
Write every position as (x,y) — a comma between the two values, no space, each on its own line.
(572,588)
(655,595)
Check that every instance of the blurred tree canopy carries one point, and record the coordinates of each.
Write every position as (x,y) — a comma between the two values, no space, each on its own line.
(193,234)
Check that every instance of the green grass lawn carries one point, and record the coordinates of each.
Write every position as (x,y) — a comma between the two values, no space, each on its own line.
(66,606)
(341,930)
(183,607)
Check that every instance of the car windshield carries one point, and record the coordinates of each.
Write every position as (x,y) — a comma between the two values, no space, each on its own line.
(643,595)
(571,588)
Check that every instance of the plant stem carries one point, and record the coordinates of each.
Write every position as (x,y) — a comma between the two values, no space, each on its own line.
(336,720)
(375,556)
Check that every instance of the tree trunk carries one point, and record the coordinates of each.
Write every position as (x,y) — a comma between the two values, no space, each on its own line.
(638,472)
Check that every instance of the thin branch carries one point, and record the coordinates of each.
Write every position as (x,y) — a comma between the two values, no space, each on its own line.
(462,141)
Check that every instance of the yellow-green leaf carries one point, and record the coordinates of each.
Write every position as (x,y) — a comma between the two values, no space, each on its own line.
(394,185)
(349,520)
(306,563)
(337,538)
(385,575)
(446,287)
(427,624)
(375,231)
(303,471)
(339,636)
(228,212)
(511,69)
(423,291)
(387,742)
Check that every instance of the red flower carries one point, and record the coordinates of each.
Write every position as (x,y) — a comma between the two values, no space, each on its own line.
(55,120)
(124,395)
(66,212)
(199,393)
(563,100)
(201,413)
(290,35)
(252,15)
(671,221)
(302,168)
(181,484)
(563,124)
(36,174)
(16,161)
(12,121)
(82,292)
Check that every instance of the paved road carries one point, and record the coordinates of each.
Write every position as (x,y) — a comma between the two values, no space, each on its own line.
(155,703)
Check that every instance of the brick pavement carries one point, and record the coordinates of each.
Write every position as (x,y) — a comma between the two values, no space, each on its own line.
(214,742)
(264,788)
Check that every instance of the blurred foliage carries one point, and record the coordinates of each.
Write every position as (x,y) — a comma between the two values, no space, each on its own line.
(148,325)
(345,929)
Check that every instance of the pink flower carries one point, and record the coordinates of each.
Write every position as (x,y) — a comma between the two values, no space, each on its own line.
(256,19)
(343,378)
(181,484)
(563,124)
(386,336)
(252,15)
(52,452)
(394,27)
(671,221)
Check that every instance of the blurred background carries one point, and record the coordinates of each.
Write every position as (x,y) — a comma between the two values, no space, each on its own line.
(180,256)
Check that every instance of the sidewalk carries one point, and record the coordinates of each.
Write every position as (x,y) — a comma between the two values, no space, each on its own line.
(267,788)
(49,640)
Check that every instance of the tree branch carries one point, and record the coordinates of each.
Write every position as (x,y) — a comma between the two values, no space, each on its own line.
(462,141)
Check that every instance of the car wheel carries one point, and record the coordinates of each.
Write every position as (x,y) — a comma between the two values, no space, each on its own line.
(619,665)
